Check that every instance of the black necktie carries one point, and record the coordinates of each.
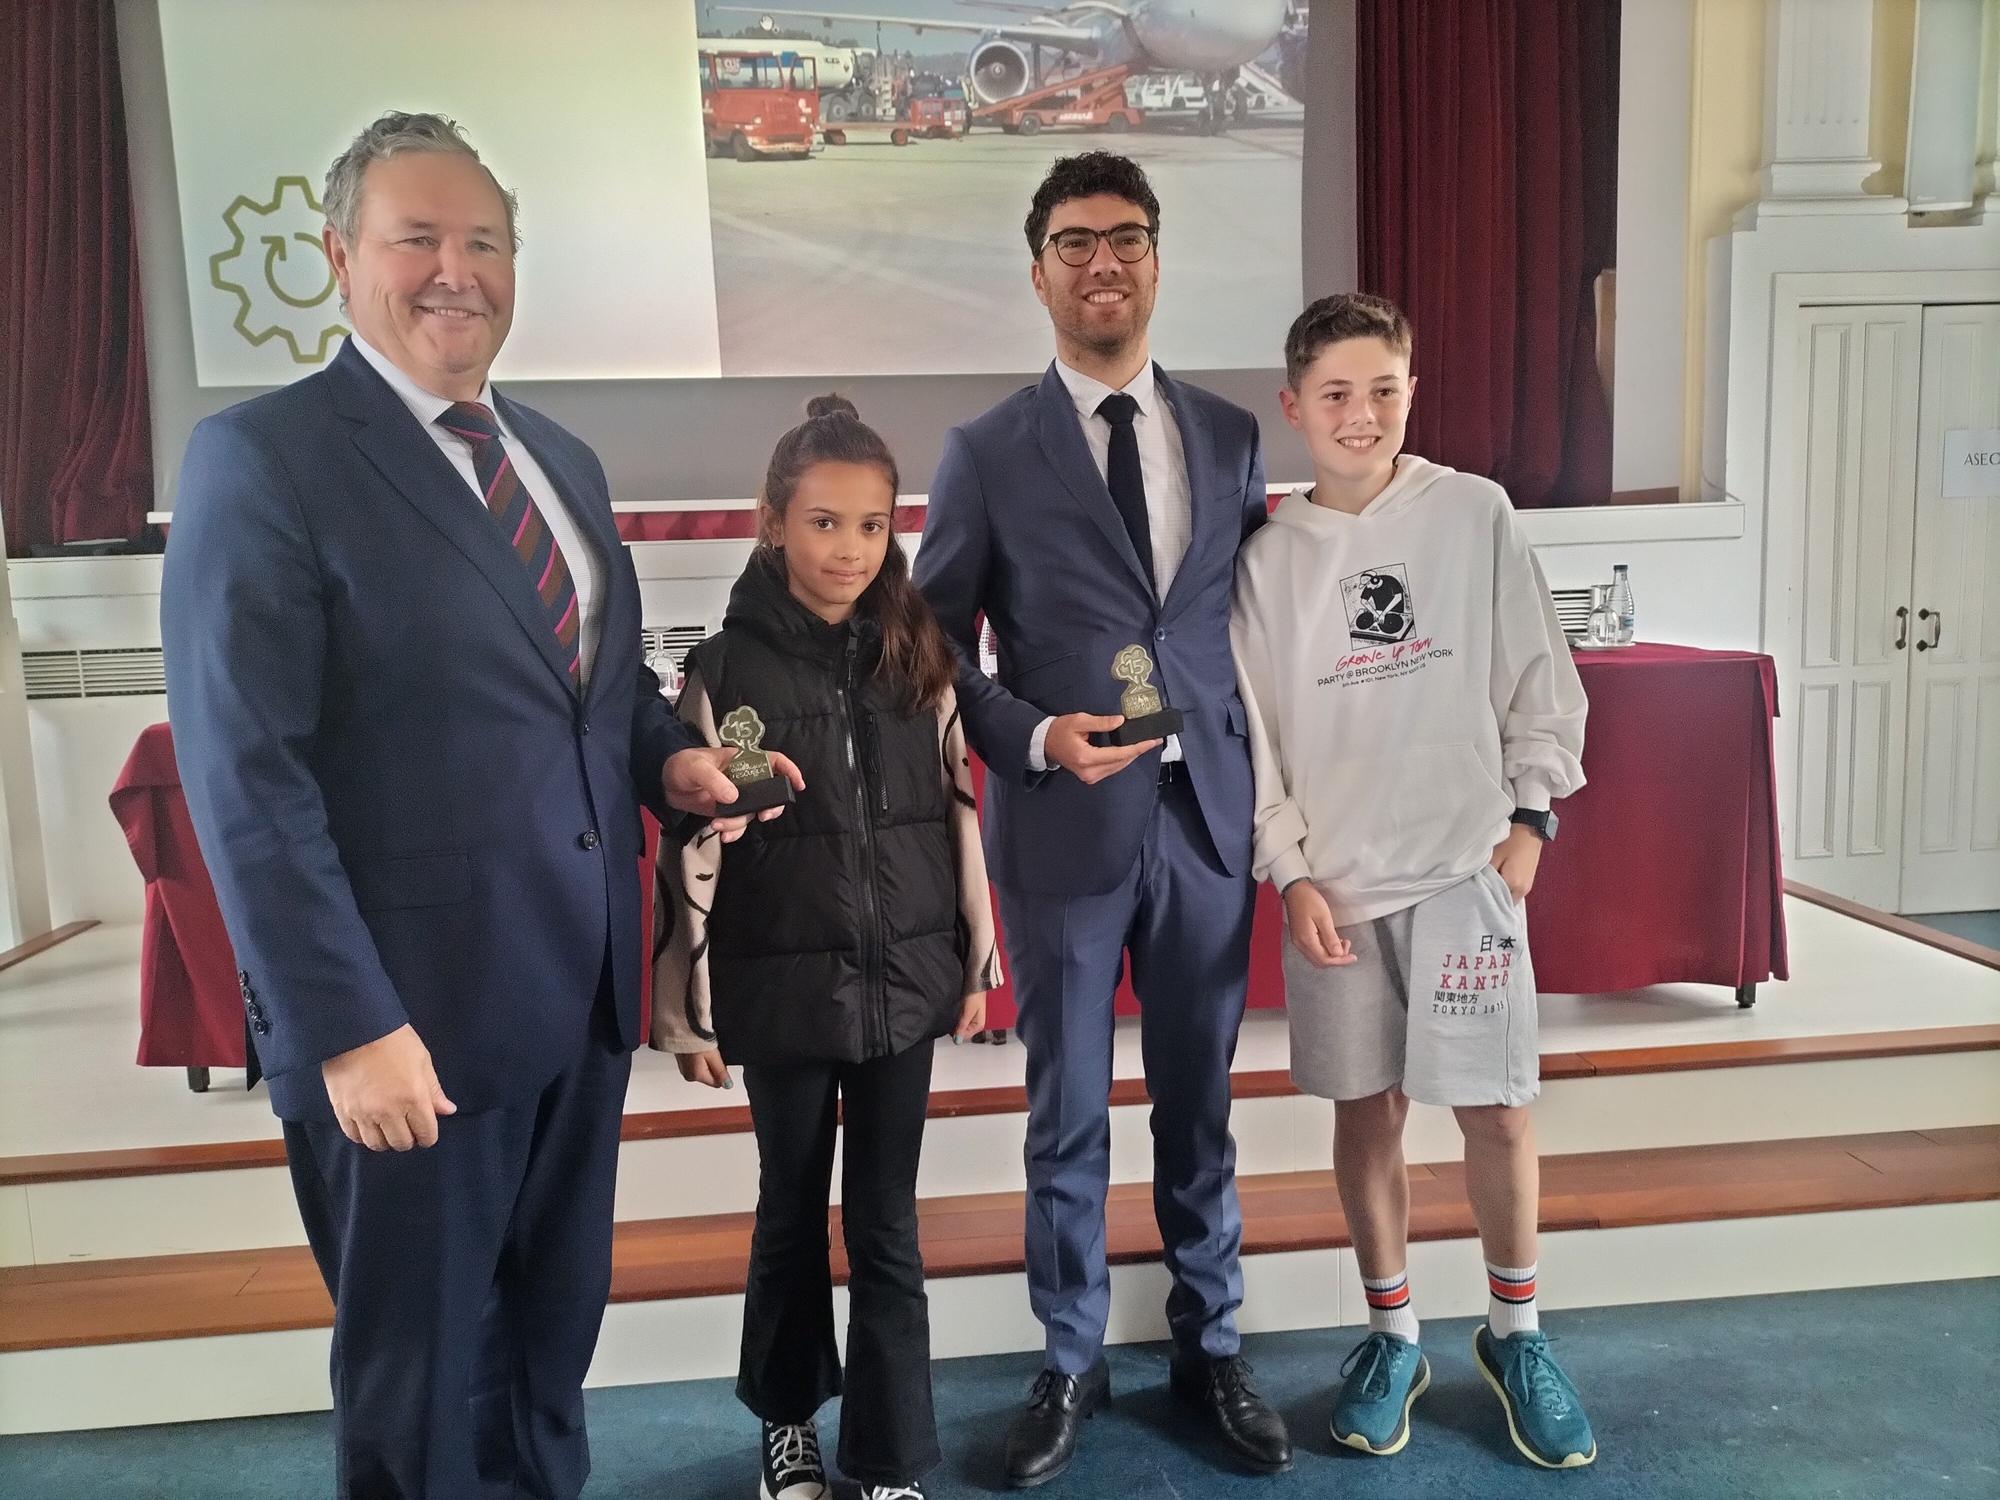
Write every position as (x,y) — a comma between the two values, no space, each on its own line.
(1124,477)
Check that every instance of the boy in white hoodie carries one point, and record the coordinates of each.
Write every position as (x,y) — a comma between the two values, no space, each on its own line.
(1413,711)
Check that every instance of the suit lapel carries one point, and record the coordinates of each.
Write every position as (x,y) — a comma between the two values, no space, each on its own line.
(413,465)
(1198,454)
(1061,436)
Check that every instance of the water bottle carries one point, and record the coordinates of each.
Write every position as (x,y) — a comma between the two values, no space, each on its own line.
(1621,600)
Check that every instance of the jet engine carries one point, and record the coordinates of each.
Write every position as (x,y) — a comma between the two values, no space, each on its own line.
(1000,71)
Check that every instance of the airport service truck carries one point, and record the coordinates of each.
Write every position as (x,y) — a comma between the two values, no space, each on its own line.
(927,105)
(758,104)
(1095,100)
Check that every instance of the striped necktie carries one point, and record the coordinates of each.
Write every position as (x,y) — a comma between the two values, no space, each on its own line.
(514,509)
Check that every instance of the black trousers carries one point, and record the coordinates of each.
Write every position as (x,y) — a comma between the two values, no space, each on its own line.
(790,1364)
(468,1282)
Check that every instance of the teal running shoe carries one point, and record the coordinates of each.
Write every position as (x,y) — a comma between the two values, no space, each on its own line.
(1385,1375)
(1544,1413)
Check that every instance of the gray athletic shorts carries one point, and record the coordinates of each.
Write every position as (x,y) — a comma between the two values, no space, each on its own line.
(1440,1000)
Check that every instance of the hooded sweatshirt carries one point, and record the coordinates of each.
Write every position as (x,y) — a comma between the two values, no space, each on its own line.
(1407,684)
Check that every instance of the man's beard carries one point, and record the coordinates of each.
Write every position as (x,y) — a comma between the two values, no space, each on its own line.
(1105,342)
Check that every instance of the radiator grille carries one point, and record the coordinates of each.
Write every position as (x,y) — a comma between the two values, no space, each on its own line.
(121,672)
(1572,609)
(140,671)
(675,640)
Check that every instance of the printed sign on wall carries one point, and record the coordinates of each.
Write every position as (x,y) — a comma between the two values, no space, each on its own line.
(1971,463)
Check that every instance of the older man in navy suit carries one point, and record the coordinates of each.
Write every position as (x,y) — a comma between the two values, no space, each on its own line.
(404,672)
(1098,510)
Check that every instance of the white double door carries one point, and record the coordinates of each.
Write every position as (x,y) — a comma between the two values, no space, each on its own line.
(1896,597)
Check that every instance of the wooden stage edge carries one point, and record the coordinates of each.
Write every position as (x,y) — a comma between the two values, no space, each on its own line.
(224,1156)
(86,1303)
(46,941)
(1916,932)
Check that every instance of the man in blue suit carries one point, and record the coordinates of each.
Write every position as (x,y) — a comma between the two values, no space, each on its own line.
(404,671)
(1098,510)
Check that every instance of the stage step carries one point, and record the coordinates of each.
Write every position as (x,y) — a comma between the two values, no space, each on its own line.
(174,1338)
(157,1201)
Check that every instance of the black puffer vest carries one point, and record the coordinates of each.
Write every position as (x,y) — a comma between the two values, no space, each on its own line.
(835,931)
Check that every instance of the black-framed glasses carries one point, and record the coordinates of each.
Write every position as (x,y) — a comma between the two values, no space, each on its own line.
(1131,243)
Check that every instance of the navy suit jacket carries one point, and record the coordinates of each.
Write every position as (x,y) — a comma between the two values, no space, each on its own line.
(1022,530)
(408,813)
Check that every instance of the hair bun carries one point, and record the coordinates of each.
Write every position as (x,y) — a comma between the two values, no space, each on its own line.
(829,405)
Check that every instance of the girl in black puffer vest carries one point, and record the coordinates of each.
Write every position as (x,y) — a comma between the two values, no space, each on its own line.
(826,950)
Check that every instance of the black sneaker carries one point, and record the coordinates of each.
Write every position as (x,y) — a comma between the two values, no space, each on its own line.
(792,1467)
(910,1491)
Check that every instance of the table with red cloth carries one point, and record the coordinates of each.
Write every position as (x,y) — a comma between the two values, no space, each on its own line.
(190,1005)
(1665,868)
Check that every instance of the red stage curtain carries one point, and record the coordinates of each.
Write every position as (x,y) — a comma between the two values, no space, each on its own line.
(76,458)
(1488,133)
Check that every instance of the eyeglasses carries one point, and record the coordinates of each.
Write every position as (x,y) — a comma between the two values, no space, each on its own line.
(1131,243)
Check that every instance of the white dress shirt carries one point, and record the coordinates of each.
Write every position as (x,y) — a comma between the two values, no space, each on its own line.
(1169,503)
(586,568)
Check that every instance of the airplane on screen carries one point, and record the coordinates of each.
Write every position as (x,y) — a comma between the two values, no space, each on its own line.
(1209,38)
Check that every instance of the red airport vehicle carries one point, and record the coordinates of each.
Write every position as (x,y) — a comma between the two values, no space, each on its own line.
(759,104)
(1094,100)
(935,106)
(927,106)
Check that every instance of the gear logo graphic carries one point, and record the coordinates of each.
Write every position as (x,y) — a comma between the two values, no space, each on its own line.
(277,270)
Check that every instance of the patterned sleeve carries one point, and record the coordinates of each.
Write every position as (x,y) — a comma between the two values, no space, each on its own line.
(975,901)
(686,875)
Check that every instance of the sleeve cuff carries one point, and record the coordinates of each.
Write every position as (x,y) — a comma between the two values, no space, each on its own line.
(1038,760)
(678,1045)
(1531,795)
(1290,865)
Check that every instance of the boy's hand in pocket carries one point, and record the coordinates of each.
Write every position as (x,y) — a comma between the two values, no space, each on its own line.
(1517,857)
(705,1067)
(1310,922)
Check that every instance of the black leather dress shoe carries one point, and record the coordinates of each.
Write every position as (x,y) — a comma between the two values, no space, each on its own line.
(1042,1439)
(1221,1387)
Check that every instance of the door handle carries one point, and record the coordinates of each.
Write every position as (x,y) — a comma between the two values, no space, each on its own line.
(1902,626)
(1936,619)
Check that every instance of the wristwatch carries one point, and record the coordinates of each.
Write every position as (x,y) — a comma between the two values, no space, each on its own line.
(1543,823)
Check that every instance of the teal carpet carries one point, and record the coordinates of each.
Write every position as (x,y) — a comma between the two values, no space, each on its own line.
(1888,1393)
(1973,926)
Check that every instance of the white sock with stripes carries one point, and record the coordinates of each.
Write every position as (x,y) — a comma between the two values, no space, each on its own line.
(1510,1300)
(1389,1309)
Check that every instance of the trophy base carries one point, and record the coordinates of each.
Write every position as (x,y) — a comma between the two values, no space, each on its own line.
(756,796)
(1146,727)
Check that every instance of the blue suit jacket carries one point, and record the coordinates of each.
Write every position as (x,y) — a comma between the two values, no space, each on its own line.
(1022,530)
(408,813)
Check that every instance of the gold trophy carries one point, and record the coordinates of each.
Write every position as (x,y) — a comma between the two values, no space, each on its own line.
(757,787)
(1147,716)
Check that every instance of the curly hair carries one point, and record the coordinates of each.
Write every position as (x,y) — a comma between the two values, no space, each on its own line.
(1086,176)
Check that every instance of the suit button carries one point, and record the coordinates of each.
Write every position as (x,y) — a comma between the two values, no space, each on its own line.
(1160,634)
(587,839)
(261,1026)
(585,726)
